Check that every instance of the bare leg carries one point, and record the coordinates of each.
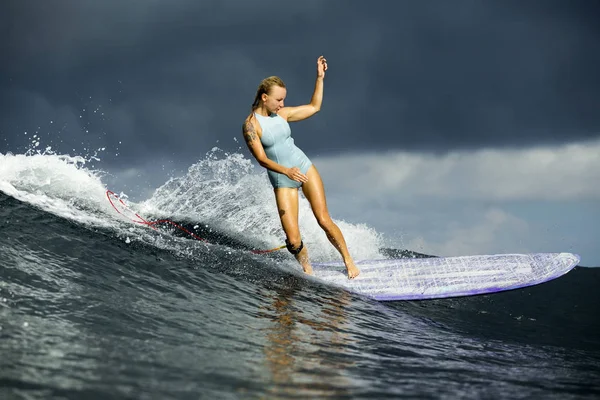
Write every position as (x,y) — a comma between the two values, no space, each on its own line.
(287,206)
(315,194)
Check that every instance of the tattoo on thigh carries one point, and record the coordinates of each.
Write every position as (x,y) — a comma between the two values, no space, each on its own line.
(281,213)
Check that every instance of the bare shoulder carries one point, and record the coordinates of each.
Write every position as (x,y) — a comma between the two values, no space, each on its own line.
(251,128)
(284,112)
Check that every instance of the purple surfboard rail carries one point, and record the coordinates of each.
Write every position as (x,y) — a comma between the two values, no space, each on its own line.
(439,277)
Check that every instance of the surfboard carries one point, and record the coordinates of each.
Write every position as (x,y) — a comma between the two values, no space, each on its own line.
(439,277)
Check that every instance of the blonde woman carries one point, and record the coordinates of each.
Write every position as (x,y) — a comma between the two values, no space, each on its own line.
(268,136)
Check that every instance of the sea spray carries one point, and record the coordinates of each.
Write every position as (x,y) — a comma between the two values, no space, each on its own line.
(222,191)
(227,192)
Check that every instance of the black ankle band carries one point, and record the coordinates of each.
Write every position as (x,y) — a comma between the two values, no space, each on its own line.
(291,249)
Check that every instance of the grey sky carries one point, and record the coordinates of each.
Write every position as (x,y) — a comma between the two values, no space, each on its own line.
(173,78)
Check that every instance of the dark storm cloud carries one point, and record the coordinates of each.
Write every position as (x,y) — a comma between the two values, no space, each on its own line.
(498,73)
(173,79)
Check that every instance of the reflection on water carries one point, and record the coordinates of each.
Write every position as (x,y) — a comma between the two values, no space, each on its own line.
(307,348)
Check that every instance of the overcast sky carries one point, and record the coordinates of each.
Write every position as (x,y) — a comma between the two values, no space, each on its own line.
(428,95)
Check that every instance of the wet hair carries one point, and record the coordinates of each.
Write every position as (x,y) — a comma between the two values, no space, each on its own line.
(264,87)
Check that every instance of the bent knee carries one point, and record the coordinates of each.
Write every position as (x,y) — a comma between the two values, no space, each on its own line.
(324,220)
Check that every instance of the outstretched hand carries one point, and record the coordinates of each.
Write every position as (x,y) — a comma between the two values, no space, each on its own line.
(321,66)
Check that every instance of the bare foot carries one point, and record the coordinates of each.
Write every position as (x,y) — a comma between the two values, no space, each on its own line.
(353,271)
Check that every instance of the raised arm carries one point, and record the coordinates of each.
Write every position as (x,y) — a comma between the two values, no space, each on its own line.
(299,113)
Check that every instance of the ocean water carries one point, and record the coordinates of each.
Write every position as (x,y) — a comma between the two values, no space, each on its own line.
(95,305)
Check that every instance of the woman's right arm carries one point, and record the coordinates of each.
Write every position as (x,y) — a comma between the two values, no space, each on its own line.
(257,150)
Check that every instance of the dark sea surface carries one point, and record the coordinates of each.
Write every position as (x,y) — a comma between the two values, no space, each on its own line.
(93,306)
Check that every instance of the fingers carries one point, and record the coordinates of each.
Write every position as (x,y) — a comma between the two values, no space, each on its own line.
(296,175)
(300,177)
(322,61)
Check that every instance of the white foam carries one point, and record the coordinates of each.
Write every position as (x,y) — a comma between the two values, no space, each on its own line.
(56,183)
(224,191)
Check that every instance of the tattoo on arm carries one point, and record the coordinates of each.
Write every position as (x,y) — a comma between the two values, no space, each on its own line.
(249,132)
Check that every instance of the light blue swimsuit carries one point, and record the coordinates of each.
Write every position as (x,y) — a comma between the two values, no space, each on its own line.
(279,146)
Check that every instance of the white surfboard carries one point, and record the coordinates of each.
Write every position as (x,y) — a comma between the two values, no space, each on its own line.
(438,277)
